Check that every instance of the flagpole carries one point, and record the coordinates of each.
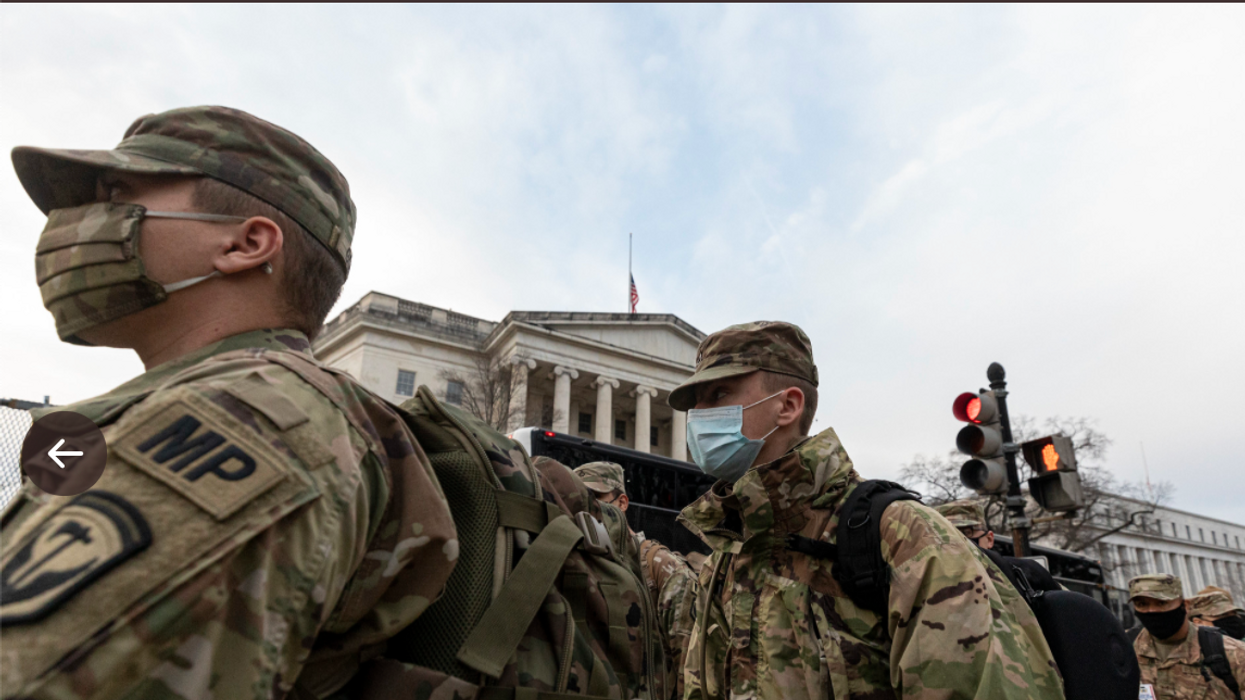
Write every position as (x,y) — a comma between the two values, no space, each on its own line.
(629,239)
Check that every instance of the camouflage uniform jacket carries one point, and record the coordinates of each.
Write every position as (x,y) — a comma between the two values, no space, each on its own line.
(261,520)
(773,623)
(672,587)
(1180,677)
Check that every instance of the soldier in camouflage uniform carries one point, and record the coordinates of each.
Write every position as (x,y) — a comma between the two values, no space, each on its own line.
(1214,607)
(774,623)
(262,521)
(1168,649)
(672,585)
(967,516)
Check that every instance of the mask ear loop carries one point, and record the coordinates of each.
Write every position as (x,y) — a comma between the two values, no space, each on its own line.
(767,398)
(195,216)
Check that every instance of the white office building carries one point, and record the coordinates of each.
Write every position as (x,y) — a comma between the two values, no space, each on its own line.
(604,376)
(1202,551)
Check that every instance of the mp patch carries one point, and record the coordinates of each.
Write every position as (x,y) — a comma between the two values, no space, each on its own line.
(82,541)
(203,453)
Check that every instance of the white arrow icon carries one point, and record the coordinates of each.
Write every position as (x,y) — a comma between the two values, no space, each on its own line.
(63,453)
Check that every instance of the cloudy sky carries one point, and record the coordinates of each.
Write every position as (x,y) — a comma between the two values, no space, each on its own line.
(924,190)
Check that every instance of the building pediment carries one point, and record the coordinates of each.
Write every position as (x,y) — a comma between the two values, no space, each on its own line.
(664,336)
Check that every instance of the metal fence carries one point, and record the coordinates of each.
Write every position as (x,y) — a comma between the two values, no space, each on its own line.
(14,422)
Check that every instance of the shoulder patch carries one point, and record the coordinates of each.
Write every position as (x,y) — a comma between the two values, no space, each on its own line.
(83,541)
(203,453)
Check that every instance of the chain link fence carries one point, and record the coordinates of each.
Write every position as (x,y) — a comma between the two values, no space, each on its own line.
(15,420)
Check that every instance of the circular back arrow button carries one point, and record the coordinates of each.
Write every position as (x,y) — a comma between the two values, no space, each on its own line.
(64,453)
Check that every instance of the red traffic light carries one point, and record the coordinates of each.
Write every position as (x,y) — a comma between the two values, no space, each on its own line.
(975,407)
(967,407)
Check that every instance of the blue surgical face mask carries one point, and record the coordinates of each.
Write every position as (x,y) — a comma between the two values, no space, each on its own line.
(716,440)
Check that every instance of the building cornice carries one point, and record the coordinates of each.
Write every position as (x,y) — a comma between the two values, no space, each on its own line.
(557,318)
(508,329)
(1169,509)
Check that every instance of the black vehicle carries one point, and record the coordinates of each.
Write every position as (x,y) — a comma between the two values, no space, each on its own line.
(658,487)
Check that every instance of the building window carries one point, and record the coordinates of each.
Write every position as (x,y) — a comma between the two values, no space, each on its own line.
(1238,541)
(1175,533)
(454,393)
(620,429)
(406,383)
(585,422)
(1188,533)
(1201,535)
(1214,538)
(652,436)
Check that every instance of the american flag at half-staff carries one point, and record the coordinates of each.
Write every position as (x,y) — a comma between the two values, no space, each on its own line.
(635,296)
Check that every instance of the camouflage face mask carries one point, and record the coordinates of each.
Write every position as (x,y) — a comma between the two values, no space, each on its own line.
(88,266)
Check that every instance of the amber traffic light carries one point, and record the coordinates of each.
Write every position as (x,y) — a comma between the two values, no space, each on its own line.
(1056,485)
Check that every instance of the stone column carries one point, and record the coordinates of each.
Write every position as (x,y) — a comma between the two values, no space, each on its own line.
(604,420)
(678,436)
(562,377)
(518,387)
(643,416)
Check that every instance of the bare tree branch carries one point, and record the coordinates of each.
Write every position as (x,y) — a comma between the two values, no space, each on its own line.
(489,391)
(1103,513)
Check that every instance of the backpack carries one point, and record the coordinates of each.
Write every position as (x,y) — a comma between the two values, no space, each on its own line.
(1088,643)
(1215,659)
(541,602)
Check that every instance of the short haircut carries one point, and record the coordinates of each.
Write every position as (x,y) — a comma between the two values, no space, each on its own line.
(313,276)
(612,495)
(775,382)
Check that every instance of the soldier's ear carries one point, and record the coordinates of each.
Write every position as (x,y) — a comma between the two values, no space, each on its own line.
(791,407)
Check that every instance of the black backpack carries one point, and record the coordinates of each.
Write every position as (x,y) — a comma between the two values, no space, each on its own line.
(1215,659)
(1094,655)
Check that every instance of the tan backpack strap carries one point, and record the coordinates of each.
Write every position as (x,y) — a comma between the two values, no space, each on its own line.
(496,637)
(514,510)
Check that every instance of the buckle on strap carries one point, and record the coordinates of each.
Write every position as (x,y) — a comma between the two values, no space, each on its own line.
(596,537)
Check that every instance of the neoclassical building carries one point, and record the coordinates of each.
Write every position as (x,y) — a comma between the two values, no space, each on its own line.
(604,376)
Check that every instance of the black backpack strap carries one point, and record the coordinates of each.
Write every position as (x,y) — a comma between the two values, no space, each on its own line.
(859,567)
(1215,659)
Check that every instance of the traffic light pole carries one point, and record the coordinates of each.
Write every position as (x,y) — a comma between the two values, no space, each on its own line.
(1015,502)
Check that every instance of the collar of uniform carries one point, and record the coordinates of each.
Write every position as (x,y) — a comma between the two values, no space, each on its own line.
(107,407)
(773,498)
(1187,651)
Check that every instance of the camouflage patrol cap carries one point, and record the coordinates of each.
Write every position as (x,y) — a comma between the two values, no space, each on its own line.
(1213,601)
(773,346)
(601,477)
(218,142)
(963,514)
(1157,586)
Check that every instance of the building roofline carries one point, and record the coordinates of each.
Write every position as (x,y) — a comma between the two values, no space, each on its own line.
(396,313)
(506,329)
(1176,510)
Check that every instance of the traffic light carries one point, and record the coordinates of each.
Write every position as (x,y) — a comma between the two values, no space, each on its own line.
(982,438)
(1056,486)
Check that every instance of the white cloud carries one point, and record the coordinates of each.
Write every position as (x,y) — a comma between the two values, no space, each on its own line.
(924,189)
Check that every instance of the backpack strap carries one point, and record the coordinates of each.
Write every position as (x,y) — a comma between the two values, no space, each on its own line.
(857,555)
(1215,658)
(500,630)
